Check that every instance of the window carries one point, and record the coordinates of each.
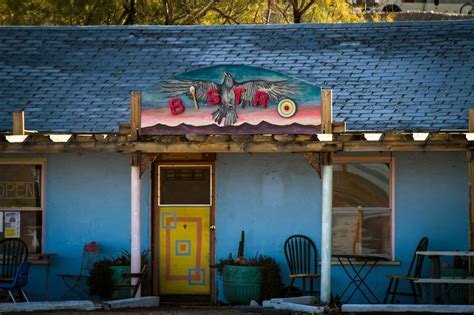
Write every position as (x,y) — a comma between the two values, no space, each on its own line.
(185,185)
(362,206)
(22,202)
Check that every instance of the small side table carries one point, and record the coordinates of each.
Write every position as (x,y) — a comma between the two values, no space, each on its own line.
(357,274)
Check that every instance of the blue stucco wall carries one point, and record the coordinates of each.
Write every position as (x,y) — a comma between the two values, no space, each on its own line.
(270,196)
(87,199)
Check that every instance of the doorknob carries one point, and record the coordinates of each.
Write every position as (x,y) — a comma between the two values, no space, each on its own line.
(212,227)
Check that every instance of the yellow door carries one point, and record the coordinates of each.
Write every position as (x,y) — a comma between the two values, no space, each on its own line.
(183,224)
(184,250)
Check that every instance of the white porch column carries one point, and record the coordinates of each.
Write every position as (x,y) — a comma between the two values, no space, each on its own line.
(326,230)
(135,220)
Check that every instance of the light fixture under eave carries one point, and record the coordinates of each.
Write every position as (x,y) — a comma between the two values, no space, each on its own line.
(372,136)
(60,138)
(16,138)
(469,136)
(420,136)
(324,136)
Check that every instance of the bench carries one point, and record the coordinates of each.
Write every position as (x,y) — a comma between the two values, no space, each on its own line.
(448,283)
(445,280)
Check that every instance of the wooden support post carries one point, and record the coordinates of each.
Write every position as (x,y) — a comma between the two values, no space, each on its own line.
(326,111)
(18,123)
(135,115)
(471,120)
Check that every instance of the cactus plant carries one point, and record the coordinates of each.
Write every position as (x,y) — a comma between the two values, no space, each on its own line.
(240,252)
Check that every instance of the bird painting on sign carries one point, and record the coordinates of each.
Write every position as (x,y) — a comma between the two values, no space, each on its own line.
(231,100)
(230,94)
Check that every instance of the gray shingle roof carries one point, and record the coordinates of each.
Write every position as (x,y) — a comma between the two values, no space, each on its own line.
(409,75)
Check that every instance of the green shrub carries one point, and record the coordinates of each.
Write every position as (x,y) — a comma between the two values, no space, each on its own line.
(100,280)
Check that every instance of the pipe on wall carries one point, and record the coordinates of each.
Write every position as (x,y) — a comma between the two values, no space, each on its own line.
(326,233)
(135,228)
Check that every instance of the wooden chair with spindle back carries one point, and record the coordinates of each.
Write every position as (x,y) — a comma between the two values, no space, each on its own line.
(414,272)
(301,255)
(15,268)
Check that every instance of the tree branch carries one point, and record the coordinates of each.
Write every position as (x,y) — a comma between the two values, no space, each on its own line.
(201,12)
(294,4)
(226,16)
(169,19)
(269,12)
(310,3)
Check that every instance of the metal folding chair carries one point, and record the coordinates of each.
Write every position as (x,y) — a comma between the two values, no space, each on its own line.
(75,283)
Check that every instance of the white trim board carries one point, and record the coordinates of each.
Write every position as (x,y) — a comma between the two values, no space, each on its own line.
(412,308)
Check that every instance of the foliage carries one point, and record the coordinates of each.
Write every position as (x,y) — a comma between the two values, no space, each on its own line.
(122,259)
(272,283)
(176,12)
(100,281)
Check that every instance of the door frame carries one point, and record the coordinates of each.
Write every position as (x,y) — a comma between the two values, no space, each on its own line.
(190,160)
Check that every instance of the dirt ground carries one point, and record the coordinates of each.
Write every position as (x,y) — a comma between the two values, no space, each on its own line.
(171,310)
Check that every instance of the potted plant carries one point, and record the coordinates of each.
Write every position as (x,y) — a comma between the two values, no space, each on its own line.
(106,274)
(119,266)
(100,280)
(245,280)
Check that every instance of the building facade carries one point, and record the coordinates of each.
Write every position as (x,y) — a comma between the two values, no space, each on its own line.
(400,80)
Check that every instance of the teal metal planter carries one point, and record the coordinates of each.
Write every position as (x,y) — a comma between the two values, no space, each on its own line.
(241,284)
(117,272)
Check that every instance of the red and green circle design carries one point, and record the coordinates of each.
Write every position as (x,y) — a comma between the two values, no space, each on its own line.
(286,108)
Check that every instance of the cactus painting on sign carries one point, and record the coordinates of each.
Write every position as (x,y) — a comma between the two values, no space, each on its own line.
(231,99)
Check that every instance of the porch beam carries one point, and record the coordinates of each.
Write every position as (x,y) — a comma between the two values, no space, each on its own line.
(135,219)
(348,142)
(204,147)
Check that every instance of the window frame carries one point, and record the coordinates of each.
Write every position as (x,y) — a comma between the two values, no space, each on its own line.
(368,160)
(42,208)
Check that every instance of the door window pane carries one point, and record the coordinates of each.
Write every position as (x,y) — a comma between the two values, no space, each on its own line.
(185,185)
(361,185)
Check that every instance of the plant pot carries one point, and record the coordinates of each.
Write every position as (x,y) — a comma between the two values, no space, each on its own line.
(117,272)
(459,293)
(241,284)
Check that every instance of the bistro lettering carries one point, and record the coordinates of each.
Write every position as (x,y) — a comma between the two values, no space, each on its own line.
(214,99)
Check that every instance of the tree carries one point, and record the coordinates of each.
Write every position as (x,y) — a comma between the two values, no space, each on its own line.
(174,12)
(60,12)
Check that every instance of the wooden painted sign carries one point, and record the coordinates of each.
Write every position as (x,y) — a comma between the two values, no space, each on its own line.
(231,99)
